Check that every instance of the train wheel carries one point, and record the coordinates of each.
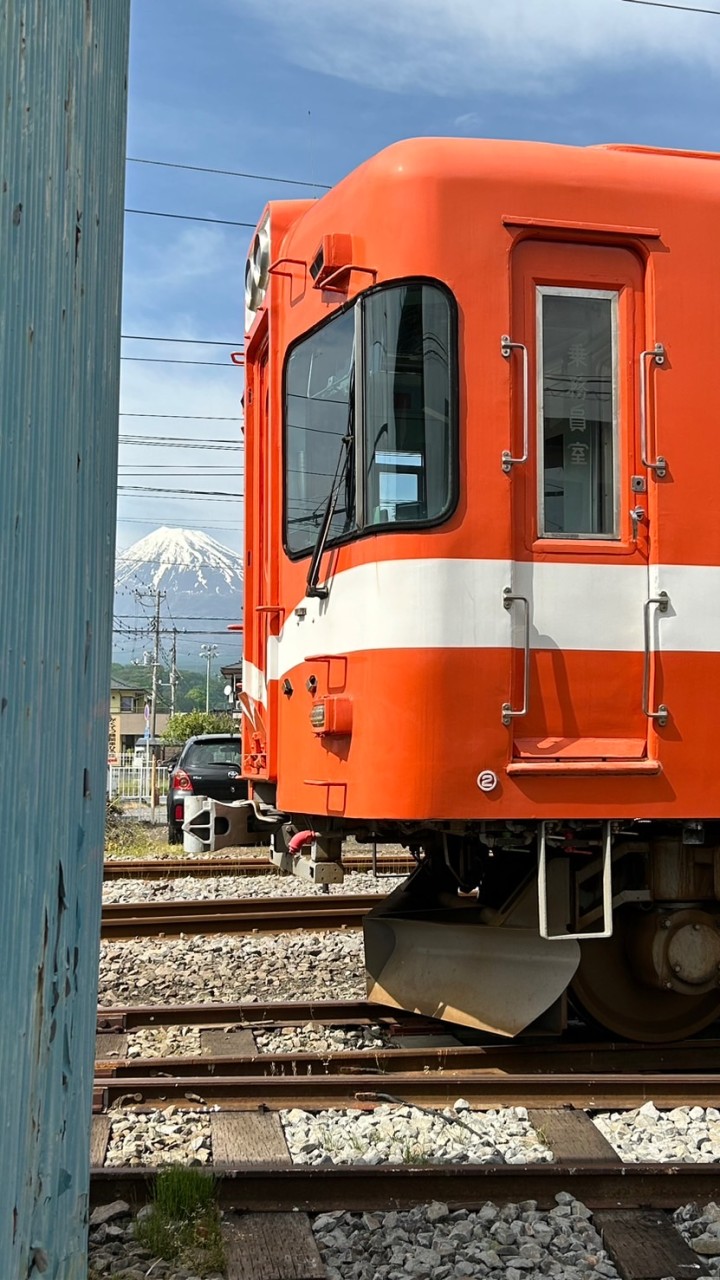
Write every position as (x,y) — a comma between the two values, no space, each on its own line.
(607,988)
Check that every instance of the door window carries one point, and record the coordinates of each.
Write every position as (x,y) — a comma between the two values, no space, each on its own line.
(578,413)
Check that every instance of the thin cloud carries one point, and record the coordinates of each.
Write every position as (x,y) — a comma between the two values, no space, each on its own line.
(450,47)
(195,253)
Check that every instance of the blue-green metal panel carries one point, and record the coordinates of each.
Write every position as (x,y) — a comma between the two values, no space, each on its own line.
(62,139)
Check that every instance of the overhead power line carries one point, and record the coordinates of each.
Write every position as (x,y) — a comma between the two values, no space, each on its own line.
(163,442)
(229,173)
(194,342)
(220,524)
(191,217)
(195,417)
(187,494)
(682,8)
(218,364)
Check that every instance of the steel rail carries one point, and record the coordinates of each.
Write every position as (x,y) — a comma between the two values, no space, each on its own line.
(483,1089)
(285,1013)
(170,868)
(570,1059)
(125,920)
(317,1189)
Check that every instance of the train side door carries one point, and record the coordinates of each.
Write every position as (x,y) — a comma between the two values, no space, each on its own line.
(578,688)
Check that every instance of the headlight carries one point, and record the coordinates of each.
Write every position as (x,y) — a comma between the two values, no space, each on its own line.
(256,272)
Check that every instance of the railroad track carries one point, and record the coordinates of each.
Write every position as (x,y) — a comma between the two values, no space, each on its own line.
(317,1189)
(252,1166)
(171,868)
(627,1201)
(124,920)
(231,1071)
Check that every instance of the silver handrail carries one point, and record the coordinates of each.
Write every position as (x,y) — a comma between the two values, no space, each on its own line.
(657,356)
(661,600)
(508,712)
(506,348)
(607,895)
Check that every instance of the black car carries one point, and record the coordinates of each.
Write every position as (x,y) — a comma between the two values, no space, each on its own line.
(208,765)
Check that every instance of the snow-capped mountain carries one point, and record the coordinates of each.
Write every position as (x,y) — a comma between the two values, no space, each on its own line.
(180,560)
(201,579)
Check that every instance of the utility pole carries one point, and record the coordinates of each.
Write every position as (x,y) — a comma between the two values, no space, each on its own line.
(174,678)
(208,652)
(155,627)
(159,596)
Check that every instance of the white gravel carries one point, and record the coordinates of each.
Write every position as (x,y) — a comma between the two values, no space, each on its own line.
(685,1134)
(326,965)
(317,1039)
(263,886)
(164,1042)
(167,1136)
(410,1135)
(515,1242)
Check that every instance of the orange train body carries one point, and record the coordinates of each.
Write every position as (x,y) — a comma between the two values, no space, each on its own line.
(415,630)
(482,550)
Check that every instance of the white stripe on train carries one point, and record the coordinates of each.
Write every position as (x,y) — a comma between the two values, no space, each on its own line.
(458,604)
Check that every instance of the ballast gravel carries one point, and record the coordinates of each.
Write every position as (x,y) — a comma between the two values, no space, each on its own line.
(164,1042)
(689,1135)
(515,1242)
(160,1137)
(194,888)
(223,968)
(413,1135)
(317,1039)
(701,1230)
(114,1251)
(431,1242)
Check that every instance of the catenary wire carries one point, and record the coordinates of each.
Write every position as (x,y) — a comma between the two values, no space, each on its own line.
(229,173)
(163,442)
(190,217)
(219,364)
(194,342)
(198,417)
(683,8)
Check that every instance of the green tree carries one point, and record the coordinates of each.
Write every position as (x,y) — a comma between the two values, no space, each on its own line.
(188,723)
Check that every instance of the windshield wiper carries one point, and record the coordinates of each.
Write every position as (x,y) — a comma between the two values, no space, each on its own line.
(312,586)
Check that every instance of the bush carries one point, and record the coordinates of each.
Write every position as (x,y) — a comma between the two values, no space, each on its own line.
(189,723)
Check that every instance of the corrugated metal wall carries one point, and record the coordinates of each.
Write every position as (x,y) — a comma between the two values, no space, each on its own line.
(63,70)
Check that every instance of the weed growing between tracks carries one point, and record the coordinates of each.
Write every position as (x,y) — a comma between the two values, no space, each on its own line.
(127,837)
(183,1222)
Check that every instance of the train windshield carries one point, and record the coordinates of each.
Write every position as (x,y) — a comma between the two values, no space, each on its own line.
(319,410)
(374,446)
(408,453)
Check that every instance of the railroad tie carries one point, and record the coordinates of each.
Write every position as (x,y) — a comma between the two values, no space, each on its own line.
(644,1245)
(261,1246)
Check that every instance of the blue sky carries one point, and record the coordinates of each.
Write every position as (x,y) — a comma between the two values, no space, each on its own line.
(306,90)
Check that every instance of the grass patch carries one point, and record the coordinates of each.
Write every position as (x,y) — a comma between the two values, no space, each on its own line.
(126,837)
(184,1223)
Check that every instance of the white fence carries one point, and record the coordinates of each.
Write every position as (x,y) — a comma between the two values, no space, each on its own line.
(132,784)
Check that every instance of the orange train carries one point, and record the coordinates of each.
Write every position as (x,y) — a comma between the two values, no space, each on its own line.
(482,583)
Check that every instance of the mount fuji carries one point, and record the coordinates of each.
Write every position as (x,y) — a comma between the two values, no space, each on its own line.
(203,585)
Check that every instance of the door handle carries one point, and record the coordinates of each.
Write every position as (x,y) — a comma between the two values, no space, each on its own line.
(508,711)
(661,714)
(637,515)
(506,349)
(657,356)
